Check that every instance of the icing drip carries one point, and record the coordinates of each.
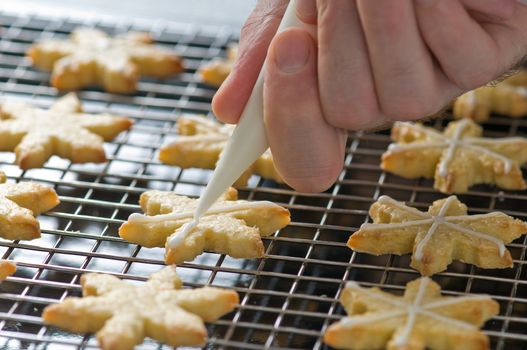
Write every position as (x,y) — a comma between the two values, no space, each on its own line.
(412,311)
(453,143)
(437,220)
(179,236)
(218,209)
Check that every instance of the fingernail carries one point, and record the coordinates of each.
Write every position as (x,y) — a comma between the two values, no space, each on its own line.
(291,51)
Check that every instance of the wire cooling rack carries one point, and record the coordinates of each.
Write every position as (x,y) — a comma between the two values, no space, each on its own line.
(289,297)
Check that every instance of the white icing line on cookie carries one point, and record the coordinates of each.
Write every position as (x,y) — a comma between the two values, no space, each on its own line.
(380,296)
(218,209)
(476,217)
(499,243)
(178,237)
(507,163)
(398,147)
(412,310)
(401,206)
(372,227)
(438,220)
(351,321)
(471,99)
(453,144)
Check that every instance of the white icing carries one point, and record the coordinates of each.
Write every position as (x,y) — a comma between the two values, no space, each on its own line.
(401,205)
(437,220)
(371,227)
(471,99)
(507,163)
(499,243)
(178,237)
(453,143)
(361,319)
(397,147)
(412,311)
(225,207)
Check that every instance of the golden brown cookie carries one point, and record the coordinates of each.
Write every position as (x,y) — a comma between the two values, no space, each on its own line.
(19,204)
(420,319)
(232,227)
(7,268)
(457,158)
(508,97)
(439,236)
(123,314)
(90,57)
(216,71)
(36,134)
(200,143)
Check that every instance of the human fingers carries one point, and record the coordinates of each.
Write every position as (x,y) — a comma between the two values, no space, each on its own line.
(491,10)
(308,152)
(256,35)
(466,53)
(346,86)
(408,83)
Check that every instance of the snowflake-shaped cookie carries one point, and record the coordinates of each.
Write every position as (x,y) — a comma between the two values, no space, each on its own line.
(90,57)
(232,227)
(420,319)
(436,238)
(19,204)
(216,71)
(124,314)
(508,97)
(457,158)
(200,143)
(7,268)
(36,134)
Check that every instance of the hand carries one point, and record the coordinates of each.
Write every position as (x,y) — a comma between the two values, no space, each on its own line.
(376,62)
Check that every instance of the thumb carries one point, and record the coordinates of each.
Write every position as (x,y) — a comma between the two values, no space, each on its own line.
(307,151)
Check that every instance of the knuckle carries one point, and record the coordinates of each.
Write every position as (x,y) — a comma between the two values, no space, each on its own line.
(414,109)
(352,115)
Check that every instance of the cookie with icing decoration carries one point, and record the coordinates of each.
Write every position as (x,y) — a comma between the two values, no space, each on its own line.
(457,158)
(420,319)
(216,71)
(508,97)
(122,314)
(232,227)
(19,204)
(36,134)
(89,57)
(200,143)
(436,238)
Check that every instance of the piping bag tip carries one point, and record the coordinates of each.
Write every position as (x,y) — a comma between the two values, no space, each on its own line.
(248,141)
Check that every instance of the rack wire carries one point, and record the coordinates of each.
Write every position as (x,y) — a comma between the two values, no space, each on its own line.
(289,297)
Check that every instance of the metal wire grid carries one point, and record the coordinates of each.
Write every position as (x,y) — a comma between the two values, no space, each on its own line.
(289,297)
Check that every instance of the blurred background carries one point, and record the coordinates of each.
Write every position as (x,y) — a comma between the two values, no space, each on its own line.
(211,12)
